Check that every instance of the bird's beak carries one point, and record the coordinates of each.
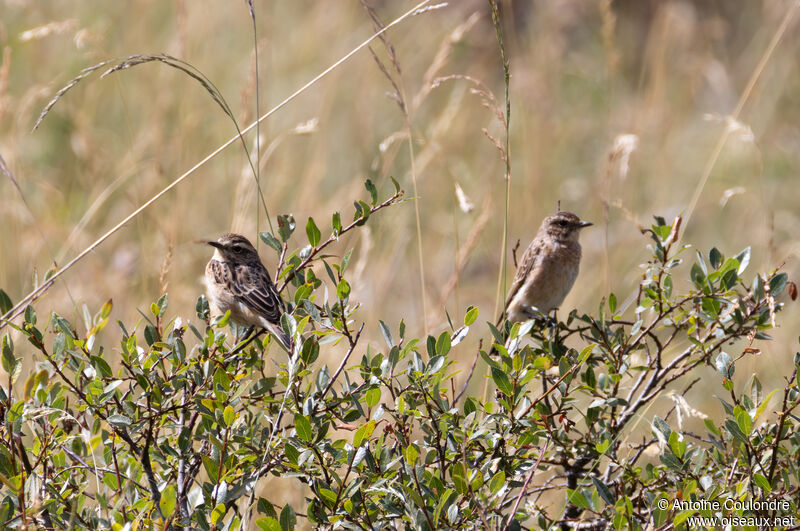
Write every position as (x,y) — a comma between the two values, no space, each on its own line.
(585,224)
(216,245)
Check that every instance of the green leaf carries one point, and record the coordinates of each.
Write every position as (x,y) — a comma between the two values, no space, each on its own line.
(373,396)
(411,454)
(762,482)
(9,362)
(105,311)
(271,240)
(469,406)
(268,524)
(444,500)
(328,496)
(577,498)
(778,283)
(715,257)
(602,446)
(288,518)
(30,315)
(603,491)
(744,422)
(373,192)
(218,512)
(758,287)
(744,260)
(387,334)
(111,482)
(362,212)
(364,432)
(286,226)
(345,261)
(212,469)
(202,308)
(671,461)
(303,427)
(443,343)
(668,286)
(711,427)
(101,366)
(612,303)
(229,415)
(342,289)
(735,431)
(459,476)
(162,303)
(502,382)
(661,425)
(724,364)
(697,275)
(471,315)
(497,481)
(119,421)
(5,302)
(336,223)
(169,500)
(313,232)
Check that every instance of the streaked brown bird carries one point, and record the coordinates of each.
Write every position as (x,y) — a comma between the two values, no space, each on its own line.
(548,268)
(237,280)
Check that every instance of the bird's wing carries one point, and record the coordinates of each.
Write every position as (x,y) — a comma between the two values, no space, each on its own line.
(253,287)
(524,268)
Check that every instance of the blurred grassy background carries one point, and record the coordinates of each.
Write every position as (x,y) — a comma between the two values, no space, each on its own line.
(582,73)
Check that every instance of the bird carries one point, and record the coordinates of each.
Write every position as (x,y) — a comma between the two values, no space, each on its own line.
(548,268)
(237,280)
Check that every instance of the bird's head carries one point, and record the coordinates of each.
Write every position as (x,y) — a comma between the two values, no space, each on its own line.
(563,226)
(234,248)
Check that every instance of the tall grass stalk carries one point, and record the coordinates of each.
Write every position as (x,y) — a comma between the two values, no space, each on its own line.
(501,274)
(17,309)
(751,83)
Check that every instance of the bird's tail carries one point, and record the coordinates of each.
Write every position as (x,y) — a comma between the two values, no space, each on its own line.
(283,338)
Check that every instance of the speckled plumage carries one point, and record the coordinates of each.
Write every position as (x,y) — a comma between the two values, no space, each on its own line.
(548,268)
(236,280)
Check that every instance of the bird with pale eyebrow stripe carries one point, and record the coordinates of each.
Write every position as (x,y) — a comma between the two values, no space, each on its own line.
(237,280)
(548,268)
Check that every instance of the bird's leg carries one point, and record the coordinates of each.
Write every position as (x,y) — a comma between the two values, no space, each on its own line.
(249,337)
(552,324)
(247,332)
(532,313)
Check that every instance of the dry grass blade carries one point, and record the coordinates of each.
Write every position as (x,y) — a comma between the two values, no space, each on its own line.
(751,83)
(36,293)
(463,254)
(179,64)
(400,97)
(488,99)
(255,166)
(7,172)
(441,57)
(504,150)
(83,74)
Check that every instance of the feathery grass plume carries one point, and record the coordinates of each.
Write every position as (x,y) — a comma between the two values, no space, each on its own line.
(19,308)
(395,79)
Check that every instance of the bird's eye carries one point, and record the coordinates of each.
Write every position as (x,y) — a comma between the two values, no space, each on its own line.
(238,249)
(561,223)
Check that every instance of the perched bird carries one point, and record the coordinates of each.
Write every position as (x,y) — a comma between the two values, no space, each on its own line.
(548,268)
(236,280)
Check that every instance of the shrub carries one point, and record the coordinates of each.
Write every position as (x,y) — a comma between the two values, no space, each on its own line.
(179,424)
